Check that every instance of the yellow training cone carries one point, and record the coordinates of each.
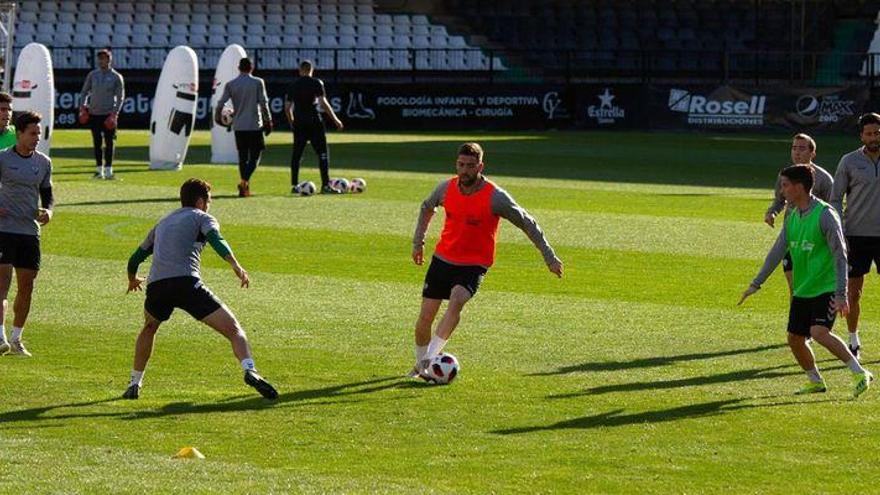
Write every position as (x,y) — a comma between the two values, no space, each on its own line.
(188,453)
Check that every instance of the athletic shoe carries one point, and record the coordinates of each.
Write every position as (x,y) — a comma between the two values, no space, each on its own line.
(856,351)
(110,177)
(247,190)
(812,388)
(17,348)
(260,384)
(419,370)
(4,348)
(293,190)
(328,189)
(240,191)
(98,176)
(132,392)
(861,382)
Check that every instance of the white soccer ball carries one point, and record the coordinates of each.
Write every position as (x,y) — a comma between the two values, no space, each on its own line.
(357,185)
(306,188)
(226,115)
(340,184)
(442,369)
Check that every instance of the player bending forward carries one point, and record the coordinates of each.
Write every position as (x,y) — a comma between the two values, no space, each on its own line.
(813,237)
(466,248)
(176,243)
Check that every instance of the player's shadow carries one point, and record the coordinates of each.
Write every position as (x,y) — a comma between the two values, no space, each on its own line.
(164,199)
(318,396)
(617,417)
(733,376)
(652,361)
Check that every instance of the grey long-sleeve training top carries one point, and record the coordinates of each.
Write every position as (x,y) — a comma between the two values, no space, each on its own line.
(858,178)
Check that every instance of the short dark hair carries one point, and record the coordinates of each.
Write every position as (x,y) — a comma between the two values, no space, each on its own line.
(800,174)
(245,64)
(25,119)
(5,97)
(306,65)
(806,137)
(867,119)
(192,190)
(471,149)
(104,52)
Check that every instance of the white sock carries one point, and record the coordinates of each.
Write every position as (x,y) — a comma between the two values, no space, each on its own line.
(854,366)
(435,347)
(2,334)
(420,352)
(99,170)
(108,171)
(16,333)
(814,375)
(854,339)
(137,378)
(248,364)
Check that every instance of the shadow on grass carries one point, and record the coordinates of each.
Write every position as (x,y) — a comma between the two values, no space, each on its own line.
(318,396)
(617,417)
(165,199)
(653,361)
(733,376)
(654,158)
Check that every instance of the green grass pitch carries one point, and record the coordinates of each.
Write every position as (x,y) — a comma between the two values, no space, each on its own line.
(635,373)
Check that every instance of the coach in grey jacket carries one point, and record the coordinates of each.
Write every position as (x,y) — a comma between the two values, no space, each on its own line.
(858,180)
(102,96)
(251,119)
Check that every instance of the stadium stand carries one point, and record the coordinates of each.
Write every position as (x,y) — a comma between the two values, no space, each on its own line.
(338,34)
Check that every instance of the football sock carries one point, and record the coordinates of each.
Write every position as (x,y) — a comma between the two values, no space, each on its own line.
(137,378)
(814,375)
(2,334)
(854,366)
(435,347)
(16,333)
(248,364)
(420,352)
(108,172)
(854,339)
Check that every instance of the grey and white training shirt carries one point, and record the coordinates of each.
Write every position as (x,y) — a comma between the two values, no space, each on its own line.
(105,90)
(858,178)
(503,205)
(21,179)
(177,242)
(248,95)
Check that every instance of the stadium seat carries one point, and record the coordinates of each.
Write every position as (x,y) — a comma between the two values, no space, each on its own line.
(310,41)
(218,40)
(178,39)
(197,40)
(140,40)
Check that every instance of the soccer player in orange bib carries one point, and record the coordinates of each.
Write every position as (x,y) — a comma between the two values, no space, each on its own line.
(466,249)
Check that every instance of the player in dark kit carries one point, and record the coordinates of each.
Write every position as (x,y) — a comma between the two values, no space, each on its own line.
(301,110)
(176,243)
